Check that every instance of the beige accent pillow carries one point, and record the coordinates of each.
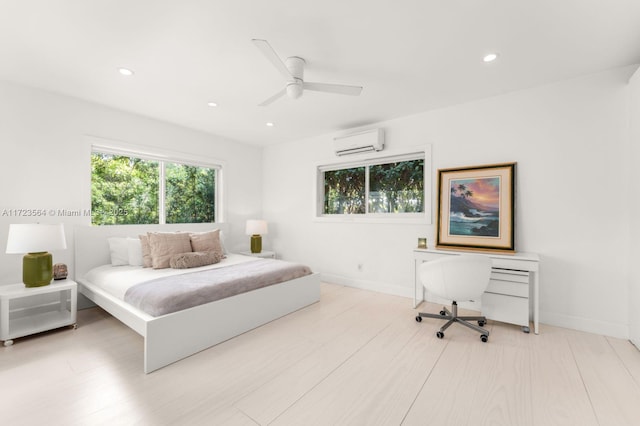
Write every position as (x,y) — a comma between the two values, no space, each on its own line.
(194,259)
(207,241)
(164,245)
(146,251)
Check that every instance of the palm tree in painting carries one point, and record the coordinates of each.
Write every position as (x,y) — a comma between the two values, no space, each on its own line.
(462,191)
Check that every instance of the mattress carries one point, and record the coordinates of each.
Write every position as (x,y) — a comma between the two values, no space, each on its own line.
(163,291)
(116,280)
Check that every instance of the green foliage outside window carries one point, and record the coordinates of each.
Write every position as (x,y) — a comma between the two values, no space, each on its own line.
(125,190)
(397,187)
(393,188)
(344,191)
(190,194)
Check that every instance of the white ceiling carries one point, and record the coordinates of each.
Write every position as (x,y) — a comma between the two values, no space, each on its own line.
(410,55)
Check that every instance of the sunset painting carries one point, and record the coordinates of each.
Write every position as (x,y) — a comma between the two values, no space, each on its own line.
(475,207)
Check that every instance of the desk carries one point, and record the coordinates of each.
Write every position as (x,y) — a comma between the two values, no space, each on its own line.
(507,297)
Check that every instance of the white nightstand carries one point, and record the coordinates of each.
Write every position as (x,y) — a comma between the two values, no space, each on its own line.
(23,312)
(263,254)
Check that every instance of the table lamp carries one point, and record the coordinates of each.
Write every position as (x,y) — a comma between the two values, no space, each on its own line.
(256,228)
(35,239)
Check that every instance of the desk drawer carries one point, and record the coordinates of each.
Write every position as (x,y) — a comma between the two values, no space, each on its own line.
(514,310)
(512,283)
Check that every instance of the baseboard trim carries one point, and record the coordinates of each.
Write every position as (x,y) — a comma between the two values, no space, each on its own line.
(391,289)
(620,331)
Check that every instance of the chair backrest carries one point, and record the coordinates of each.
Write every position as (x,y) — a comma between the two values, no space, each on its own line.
(459,278)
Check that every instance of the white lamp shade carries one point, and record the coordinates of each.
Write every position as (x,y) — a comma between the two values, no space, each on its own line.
(256,227)
(35,237)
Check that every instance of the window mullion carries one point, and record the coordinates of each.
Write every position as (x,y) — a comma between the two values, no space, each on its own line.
(217,212)
(161,193)
(366,190)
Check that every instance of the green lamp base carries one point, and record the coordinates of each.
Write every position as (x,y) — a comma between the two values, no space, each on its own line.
(37,269)
(256,243)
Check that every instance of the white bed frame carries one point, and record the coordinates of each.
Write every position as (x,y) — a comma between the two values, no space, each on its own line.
(169,338)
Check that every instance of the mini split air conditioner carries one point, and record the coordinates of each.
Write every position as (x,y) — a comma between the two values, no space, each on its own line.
(370,140)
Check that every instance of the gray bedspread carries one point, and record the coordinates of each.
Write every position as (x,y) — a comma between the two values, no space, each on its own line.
(175,293)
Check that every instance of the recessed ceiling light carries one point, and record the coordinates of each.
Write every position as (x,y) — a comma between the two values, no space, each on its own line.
(490,57)
(125,71)
(212,104)
(269,124)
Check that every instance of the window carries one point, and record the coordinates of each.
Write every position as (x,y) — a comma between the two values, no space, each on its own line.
(124,190)
(190,193)
(133,190)
(397,187)
(344,191)
(390,187)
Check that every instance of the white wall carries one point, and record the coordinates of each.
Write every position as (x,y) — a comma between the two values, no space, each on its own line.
(634,157)
(573,182)
(45,162)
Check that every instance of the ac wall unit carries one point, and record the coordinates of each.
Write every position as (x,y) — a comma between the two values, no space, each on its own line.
(370,140)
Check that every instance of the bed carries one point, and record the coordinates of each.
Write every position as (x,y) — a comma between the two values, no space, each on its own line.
(174,336)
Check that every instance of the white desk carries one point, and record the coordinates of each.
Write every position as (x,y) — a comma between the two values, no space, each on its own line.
(507,297)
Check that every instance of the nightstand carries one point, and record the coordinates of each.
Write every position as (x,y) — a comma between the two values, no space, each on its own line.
(28,310)
(263,254)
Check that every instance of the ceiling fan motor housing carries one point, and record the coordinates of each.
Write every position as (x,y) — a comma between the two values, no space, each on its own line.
(295,65)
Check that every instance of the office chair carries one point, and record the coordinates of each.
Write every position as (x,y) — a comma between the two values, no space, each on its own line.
(457,278)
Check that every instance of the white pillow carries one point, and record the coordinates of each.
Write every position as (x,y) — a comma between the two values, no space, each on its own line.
(134,249)
(119,251)
(224,248)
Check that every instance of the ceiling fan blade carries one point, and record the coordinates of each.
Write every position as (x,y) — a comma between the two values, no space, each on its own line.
(274,97)
(272,56)
(341,89)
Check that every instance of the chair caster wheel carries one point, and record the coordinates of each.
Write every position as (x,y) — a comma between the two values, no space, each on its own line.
(440,334)
(484,338)
(418,318)
(481,323)
(443,313)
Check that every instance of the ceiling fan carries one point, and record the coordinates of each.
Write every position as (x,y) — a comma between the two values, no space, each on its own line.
(293,71)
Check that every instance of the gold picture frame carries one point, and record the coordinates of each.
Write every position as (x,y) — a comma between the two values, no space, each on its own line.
(476,208)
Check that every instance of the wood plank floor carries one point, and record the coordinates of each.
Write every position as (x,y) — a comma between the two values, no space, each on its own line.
(354,358)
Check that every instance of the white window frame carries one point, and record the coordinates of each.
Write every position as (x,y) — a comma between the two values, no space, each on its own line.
(370,159)
(164,156)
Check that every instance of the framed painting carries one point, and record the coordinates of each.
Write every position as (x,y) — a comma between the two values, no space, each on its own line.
(476,208)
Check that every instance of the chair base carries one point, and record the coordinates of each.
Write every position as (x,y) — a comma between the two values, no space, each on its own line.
(452,316)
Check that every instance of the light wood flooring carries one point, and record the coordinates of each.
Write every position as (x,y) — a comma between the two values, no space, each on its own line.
(354,358)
